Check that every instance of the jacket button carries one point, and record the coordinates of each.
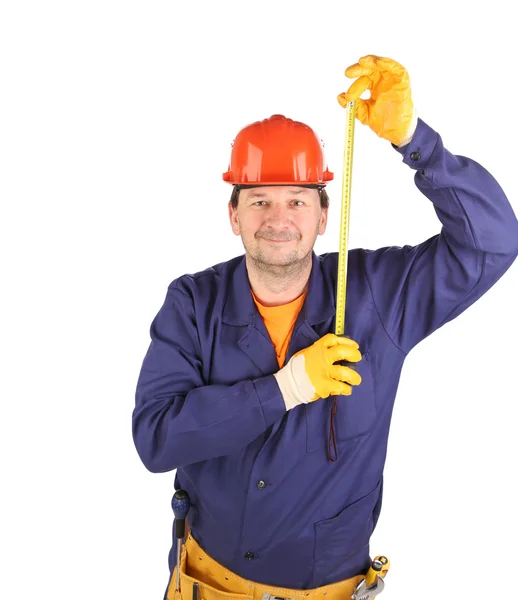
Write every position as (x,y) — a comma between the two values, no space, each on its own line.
(415,156)
(249,555)
(261,484)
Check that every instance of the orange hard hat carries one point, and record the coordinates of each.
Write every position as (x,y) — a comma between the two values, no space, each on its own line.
(277,151)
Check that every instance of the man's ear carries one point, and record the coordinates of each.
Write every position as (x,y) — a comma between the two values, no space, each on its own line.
(234,219)
(323,221)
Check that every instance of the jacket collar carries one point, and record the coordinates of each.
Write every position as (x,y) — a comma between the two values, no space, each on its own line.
(240,309)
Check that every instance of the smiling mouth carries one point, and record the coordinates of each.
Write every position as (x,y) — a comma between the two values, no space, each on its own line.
(277,240)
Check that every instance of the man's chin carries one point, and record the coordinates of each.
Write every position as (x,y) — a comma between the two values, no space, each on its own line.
(276,260)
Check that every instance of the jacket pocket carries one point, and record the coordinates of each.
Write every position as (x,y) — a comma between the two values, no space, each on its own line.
(355,414)
(339,541)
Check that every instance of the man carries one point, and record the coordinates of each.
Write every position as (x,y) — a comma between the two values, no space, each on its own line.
(244,389)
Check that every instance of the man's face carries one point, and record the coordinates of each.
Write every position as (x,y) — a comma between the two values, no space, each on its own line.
(278,224)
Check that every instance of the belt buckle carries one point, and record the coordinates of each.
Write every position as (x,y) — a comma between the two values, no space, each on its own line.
(267,596)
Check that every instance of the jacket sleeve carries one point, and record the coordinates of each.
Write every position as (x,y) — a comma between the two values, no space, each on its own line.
(417,289)
(178,420)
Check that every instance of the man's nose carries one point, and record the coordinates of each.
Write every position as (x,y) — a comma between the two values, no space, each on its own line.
(278,213)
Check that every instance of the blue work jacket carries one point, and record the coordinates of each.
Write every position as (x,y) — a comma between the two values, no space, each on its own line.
(267,503)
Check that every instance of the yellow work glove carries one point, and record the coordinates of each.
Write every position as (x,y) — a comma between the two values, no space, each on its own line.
(389,111)
(311,373)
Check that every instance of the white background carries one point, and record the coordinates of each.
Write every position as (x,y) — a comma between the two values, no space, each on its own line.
(116,124)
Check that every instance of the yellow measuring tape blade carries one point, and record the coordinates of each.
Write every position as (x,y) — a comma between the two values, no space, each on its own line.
(344,219)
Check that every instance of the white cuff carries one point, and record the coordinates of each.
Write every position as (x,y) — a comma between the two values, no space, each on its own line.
(411,130)
(294,383)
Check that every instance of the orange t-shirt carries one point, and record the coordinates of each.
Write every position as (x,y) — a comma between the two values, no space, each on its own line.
(280,321)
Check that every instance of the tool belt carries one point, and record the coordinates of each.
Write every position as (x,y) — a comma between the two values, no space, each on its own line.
(215,582)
